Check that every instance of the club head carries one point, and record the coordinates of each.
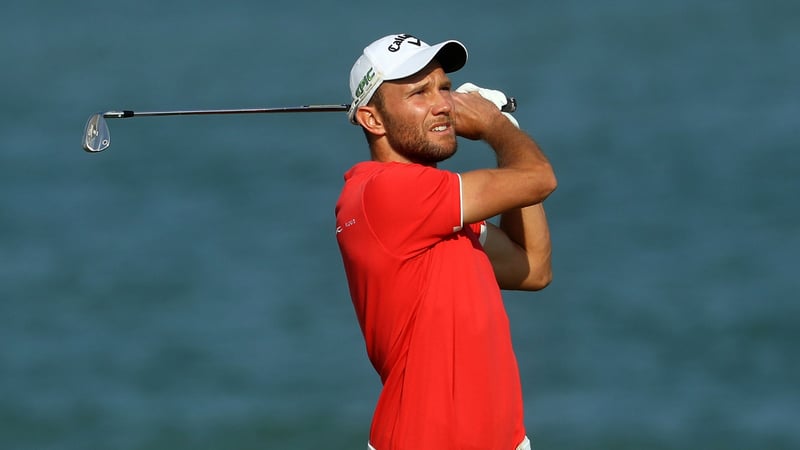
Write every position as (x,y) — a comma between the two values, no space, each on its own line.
(96,136)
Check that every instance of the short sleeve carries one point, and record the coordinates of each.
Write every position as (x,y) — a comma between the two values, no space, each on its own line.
(410,207)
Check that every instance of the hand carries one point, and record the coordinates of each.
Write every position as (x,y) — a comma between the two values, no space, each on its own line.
(475,116)
(497,97)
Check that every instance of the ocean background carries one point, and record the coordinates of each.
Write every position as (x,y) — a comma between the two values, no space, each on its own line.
(183,289)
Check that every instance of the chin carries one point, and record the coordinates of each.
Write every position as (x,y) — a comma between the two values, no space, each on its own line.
(449,154)
(434,156)
(427,152)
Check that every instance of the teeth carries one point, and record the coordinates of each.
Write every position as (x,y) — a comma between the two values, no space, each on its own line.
(440,128)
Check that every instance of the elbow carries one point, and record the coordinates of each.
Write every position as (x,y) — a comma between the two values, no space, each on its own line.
(538,281)
(549,181)
(544,282)
(532,281)
(536,278)
(542,184)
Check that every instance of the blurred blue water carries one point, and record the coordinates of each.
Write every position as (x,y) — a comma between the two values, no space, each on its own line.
(184,290)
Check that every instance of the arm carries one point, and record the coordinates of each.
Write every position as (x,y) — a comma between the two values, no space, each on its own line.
(520,248)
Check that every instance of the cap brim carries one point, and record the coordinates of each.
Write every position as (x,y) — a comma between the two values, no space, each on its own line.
(452,55)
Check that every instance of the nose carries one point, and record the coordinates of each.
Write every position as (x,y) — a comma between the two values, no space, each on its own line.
(443,103)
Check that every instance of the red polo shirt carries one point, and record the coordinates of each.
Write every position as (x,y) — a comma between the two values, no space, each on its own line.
(430,310)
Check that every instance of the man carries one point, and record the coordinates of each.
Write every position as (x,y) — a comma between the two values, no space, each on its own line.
(424,266)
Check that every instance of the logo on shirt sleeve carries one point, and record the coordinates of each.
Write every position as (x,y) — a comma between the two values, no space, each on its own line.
(346,225)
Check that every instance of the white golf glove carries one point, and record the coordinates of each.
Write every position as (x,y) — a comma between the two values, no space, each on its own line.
(496,97)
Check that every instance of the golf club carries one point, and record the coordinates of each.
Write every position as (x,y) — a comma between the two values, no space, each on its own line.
(97,138)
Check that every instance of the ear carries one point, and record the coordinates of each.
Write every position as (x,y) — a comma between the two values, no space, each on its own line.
(369,118)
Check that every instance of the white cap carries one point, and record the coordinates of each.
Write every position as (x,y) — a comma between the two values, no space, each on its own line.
(398,56)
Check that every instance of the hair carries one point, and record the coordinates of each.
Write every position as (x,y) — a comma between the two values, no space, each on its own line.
(377,101)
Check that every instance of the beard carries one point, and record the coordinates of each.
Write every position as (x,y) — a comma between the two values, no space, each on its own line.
(413,143)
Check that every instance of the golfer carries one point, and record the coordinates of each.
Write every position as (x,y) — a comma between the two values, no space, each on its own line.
(424,266)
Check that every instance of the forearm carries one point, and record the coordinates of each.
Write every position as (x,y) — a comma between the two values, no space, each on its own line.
(527,227)
(523,161)
(514,148)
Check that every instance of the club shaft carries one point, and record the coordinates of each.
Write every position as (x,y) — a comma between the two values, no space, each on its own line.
(305,108)
(510,106)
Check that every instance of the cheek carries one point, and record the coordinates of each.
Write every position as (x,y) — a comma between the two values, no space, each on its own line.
(412,109)
(398,120)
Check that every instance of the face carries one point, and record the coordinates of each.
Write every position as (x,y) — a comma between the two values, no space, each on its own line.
(417,114)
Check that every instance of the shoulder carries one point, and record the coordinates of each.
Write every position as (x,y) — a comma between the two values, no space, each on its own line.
(405,178)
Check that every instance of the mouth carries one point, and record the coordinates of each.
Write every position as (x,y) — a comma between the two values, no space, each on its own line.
(441,127)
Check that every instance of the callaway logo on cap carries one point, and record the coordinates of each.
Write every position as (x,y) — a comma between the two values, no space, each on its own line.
(398,56)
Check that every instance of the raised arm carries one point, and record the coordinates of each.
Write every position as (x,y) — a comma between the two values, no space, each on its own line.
(520,248)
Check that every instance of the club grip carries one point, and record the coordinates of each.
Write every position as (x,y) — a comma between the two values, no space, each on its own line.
(510,106)
(118,114)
